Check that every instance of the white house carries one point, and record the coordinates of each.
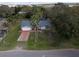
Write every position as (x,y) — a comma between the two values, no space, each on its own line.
(44,24)
(26,25)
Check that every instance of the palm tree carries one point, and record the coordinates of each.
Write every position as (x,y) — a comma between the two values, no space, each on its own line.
(37,14)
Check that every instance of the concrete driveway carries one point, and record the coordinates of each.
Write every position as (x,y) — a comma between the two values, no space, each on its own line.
(24,36)
(40,53)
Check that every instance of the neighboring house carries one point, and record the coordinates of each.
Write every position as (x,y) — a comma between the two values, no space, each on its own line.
(26,25)
(3,25)
(44,24)
(21,12)
(3,28)
(25,12)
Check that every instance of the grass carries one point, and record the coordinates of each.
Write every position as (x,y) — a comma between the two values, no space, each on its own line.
(10,40)
(72,43)
(42,41)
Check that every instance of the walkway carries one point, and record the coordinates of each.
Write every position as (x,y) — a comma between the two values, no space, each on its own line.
(24,36)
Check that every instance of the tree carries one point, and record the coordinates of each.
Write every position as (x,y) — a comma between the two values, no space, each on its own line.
(60,20)
(6,11)
(37,14)
(65,21)
(17,9)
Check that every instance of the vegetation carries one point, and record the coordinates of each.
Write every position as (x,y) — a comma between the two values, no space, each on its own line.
(65,22)
(10,40)
(13,18)
(42,41)
(65,26)
(37,14)
(64,31)
(6,11)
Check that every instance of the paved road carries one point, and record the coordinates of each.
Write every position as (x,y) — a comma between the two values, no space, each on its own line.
(45,53)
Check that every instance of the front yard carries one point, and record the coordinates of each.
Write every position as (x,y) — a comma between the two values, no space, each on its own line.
(39,42)
(10,40)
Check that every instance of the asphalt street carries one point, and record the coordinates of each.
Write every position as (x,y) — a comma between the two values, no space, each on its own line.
(40,53)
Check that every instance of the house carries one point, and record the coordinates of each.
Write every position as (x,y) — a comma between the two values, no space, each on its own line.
(25,28)
(3,28)
(44,24)
(25,12)
(26,25)
(21,12)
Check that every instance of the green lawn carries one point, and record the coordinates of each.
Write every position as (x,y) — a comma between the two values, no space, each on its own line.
(10,40)
(42,41)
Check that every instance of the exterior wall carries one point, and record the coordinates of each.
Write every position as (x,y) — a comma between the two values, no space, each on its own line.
(26,28)
(21,12)
(43,28)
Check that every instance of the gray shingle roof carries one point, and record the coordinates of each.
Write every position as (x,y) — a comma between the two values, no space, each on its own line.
(25,23)
(44,23)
